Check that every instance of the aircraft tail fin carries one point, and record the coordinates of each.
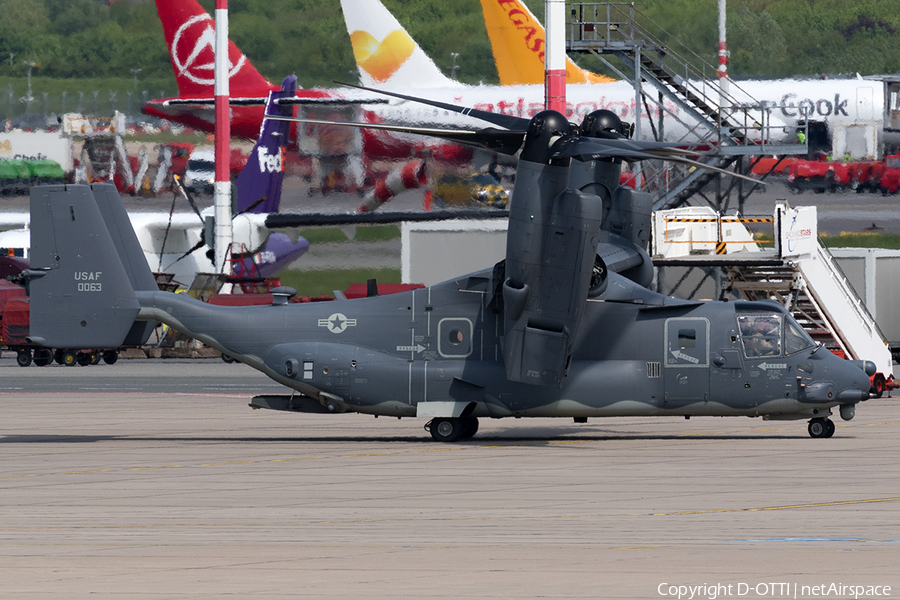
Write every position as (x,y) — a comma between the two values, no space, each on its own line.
(82,293)
(385,53)
(259,184)
(517,40)
(191,38)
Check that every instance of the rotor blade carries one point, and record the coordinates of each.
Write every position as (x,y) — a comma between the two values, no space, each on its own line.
(499,119)
(261,101)
(700,165)
(280,220)
(187,195)
(590,147)
(496,140)
(329,101)
(196,247)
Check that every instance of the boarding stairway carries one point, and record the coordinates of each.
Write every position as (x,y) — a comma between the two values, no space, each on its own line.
(721,116)
(792,268)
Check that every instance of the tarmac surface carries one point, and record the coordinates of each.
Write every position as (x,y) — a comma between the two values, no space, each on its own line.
(154,479)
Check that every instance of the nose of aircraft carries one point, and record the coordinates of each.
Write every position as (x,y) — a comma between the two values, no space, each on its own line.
(852,380)
(841,381)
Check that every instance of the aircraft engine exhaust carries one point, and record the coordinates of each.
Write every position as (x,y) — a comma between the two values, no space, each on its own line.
(408,177)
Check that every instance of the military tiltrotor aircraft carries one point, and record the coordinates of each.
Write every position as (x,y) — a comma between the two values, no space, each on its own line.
(563,327)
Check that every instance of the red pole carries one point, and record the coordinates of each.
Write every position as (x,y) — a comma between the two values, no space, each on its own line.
(223,140)
(555,55)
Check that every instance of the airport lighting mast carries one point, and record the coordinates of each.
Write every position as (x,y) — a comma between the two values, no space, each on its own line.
(723,56)
(223,230)
(555,55)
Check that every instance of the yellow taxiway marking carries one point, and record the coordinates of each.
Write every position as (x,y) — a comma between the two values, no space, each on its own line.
(298,458)
(313,522)
(368,454)
(17,476)
(786,507)
(82,472)
(234,462)
(161,467)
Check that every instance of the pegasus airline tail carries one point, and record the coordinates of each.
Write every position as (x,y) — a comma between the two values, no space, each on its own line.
(517,40)
(386,55)
(191,38)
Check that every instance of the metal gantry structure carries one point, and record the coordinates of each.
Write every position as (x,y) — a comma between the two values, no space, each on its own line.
(678,93)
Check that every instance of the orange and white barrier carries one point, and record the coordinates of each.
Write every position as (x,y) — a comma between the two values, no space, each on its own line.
(408,177)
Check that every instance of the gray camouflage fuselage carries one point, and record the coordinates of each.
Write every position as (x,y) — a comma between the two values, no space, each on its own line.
(385,355)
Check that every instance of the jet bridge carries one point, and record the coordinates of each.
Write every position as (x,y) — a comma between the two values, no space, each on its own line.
(778,258)
(682,100)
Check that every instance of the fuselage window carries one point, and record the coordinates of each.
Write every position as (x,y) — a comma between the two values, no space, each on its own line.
(761,335)
(687,338)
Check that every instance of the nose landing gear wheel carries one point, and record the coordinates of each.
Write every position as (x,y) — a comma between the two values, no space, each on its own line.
(821,428)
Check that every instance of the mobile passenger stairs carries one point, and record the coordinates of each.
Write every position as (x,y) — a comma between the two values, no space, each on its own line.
(788,265)
(686,92)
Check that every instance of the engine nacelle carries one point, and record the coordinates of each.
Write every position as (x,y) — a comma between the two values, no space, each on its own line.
(551,249)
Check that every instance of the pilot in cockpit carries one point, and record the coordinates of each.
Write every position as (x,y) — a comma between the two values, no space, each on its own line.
(761,335)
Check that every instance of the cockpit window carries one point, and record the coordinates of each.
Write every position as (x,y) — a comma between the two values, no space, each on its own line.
(795,338)
(761,334)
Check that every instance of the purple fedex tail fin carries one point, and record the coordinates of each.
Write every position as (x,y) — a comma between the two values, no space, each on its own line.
(278,254)
(259,184)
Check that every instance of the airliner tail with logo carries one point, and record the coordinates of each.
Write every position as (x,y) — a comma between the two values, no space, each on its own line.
(190,36)
(518,42)
(385,53)
(388,58)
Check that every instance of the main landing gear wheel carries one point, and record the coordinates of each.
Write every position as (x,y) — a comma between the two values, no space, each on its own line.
(43,357)
(23,358)
(69,358)
(110,356)
(84,358)
(470,427)
(445,429)
(821,428)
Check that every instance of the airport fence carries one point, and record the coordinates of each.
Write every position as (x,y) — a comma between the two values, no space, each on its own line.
(44,110)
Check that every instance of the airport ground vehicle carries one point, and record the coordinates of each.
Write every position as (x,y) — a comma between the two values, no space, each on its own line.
(200,170)
(15,309)
(826,175)
(890,175)
(17,175)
